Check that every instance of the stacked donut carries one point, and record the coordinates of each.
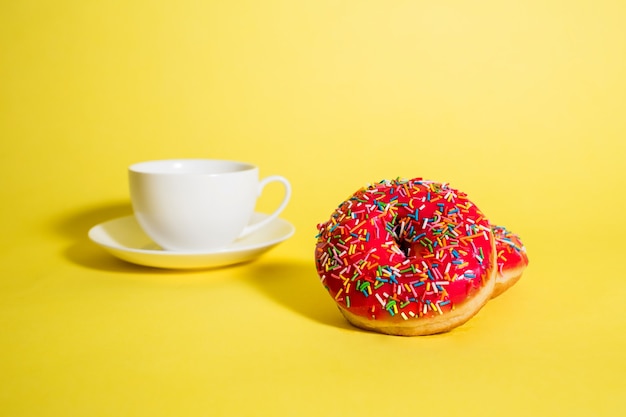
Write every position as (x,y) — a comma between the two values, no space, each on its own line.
(414,257)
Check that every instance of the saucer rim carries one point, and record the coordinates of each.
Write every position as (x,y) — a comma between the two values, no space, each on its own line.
(230,249)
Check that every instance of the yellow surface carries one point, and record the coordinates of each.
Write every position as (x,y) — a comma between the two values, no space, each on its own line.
(519,103)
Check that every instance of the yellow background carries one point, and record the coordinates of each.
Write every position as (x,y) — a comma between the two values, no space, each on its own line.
(519,103)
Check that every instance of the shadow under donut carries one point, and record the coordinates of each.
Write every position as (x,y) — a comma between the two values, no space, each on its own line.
(296,286)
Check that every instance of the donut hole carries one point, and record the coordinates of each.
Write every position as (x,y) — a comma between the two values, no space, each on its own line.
(404,238)
(406,247)
(411,239)
(413,250)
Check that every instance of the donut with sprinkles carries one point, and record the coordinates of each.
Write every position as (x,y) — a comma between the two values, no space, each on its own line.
(512,259)
(407,257)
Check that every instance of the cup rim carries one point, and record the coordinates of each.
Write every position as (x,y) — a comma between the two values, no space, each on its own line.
(191,166)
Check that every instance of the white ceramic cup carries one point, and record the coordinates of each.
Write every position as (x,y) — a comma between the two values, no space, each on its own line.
(195,205)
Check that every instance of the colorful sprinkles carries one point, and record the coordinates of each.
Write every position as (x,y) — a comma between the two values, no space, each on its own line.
(404,249)
(511,251)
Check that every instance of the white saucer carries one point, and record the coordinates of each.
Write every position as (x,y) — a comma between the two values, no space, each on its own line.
(124,238)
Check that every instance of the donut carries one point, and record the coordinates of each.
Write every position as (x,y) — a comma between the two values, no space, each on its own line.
(512,259)
(407,257)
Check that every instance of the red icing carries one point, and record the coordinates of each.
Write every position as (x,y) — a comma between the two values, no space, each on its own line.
(404,249)
(510,249)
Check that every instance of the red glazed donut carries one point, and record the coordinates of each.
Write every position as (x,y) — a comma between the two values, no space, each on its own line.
(512,259)
(407,257)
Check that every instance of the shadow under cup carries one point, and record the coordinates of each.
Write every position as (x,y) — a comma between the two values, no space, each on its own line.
(198,204)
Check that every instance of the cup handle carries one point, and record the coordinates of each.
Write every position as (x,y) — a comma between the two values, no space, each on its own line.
(256,226)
